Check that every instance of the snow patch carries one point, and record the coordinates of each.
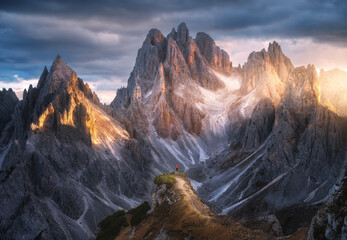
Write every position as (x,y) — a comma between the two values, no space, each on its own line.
(216,105)
(231,82)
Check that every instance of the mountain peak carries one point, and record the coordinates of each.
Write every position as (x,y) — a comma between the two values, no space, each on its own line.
(182,33)
(274,44)
(58,64)
(58,60)
(153,36)
(54,82)
(274,48)
(304,84)
(216,57)
(57,57)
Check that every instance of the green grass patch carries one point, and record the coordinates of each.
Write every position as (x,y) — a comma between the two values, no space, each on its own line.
(167,179)
(139,213)
(111,226)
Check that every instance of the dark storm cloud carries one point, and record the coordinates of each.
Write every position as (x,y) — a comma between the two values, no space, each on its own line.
(99,39)
(110,8)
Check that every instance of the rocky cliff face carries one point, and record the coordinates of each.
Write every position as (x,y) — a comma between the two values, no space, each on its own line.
(164,69)
(216,57)
(266,73)
(287,160)
(260,125)
(66,164)
(269,112)
(331,221)
(8,101)
(170,89)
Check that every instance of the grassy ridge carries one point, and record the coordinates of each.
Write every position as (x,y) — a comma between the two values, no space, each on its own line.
(113,224)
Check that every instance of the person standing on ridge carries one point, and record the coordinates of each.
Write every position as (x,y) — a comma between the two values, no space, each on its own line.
(176,168)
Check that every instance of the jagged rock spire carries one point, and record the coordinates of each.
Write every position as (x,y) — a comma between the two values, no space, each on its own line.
(215,56)
(275,48)
(154,36)
(42,78)
(182,33)
(172,34)
(8,101)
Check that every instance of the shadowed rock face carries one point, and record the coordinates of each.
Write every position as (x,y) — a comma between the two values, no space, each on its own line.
(330,221)
(260,125)
(8,101)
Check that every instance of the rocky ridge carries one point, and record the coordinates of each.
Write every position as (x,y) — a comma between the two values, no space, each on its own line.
(8,101)
(301,143)
(66,164)
(177,213)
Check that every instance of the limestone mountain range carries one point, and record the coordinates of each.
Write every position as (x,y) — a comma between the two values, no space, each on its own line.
(267,138)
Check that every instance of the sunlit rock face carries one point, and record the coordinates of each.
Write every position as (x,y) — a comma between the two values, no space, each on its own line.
(167,69)
(65,163)
(267,72)
(73,105)
(250,135)
(288,159)
(333,85)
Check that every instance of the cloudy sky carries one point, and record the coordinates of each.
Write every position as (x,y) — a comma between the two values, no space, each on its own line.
(100,39)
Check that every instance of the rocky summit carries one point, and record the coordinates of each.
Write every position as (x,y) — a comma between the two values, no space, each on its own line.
(264,143)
